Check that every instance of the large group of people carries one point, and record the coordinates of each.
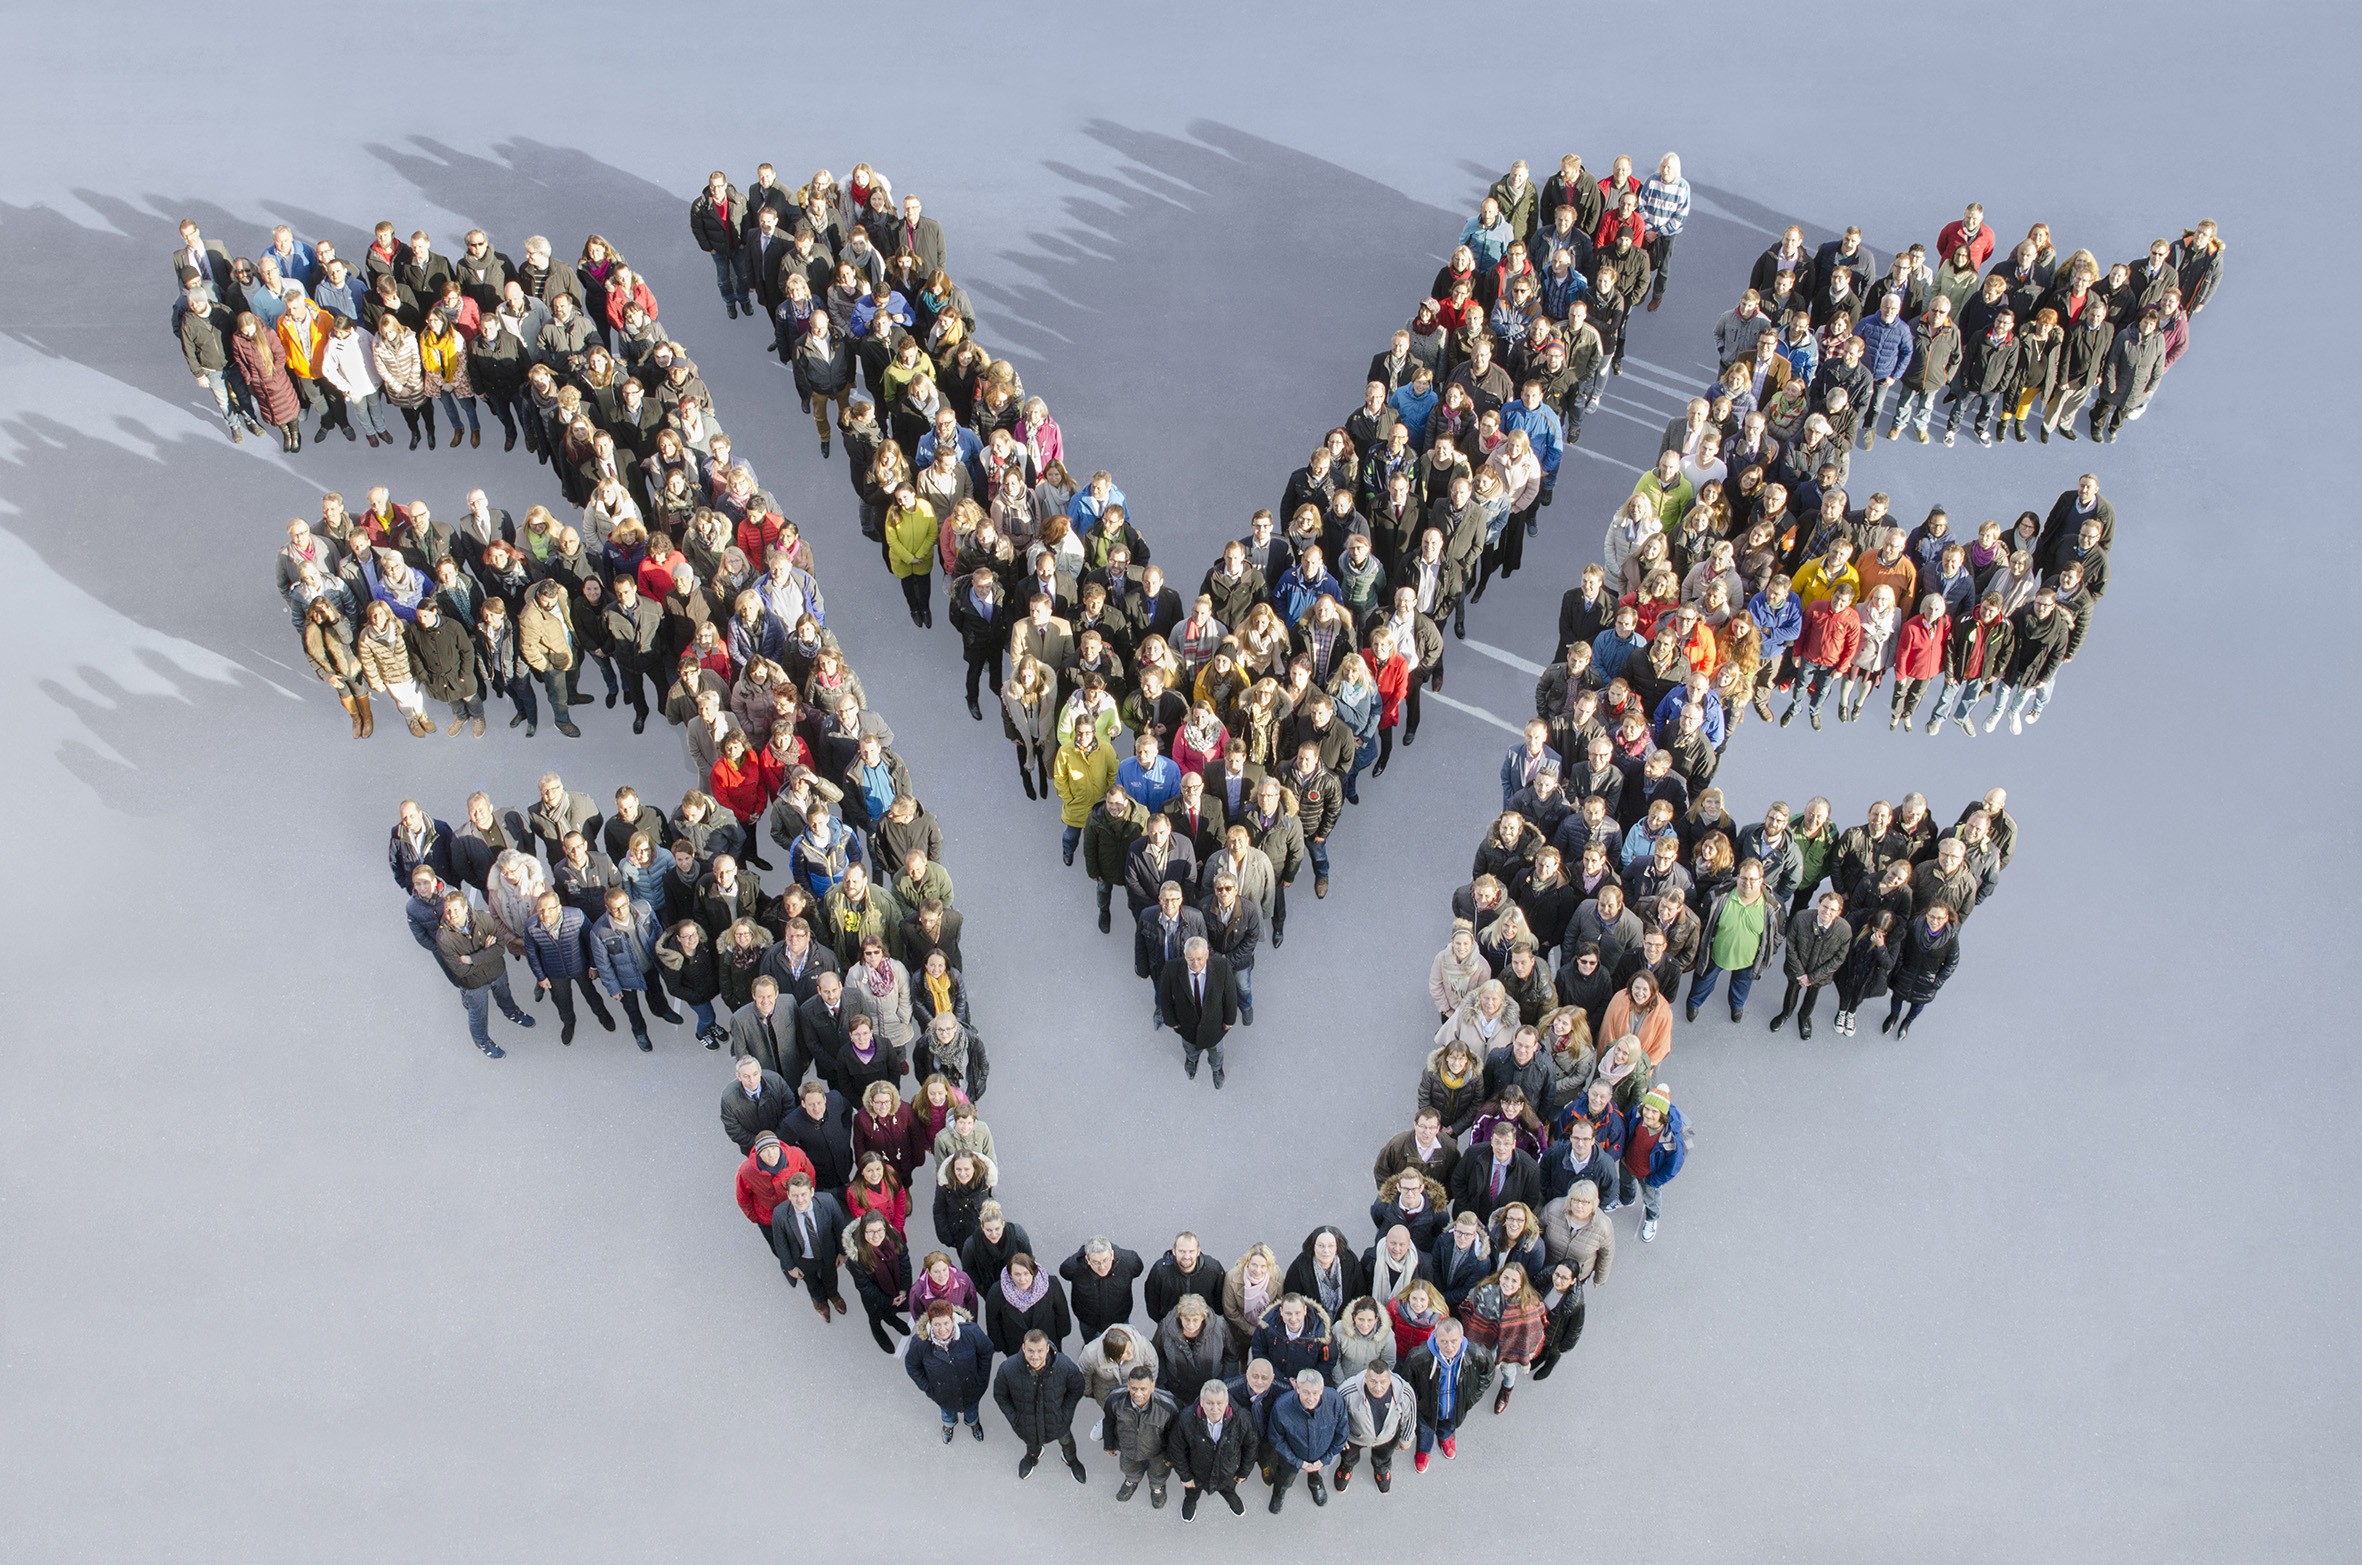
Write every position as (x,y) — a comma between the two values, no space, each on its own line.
(1200,752)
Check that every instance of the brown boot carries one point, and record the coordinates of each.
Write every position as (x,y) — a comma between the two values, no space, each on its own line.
(364,720)
(344,699)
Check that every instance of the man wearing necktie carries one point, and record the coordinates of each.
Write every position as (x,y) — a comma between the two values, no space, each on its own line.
(807,1235)
(1199,1000)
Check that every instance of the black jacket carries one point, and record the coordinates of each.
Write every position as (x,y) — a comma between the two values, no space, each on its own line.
(1100,1302)
(1167,1283)
(1422,1371)
(828,1237)
(827,1141)
(1038,1403)
(1813,952)
(1007,1325)
(745,1118)
(1208,1462)
(1200,1026)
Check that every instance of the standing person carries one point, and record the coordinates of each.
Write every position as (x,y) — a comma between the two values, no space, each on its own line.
(1381,1417)
(1210,1446)
(1198,998)
(1447,1373)
(1138,1419)
(1740,931)
(1506,1318)
(261,364)
(623,949)
(807,1234)
(558,952)
(880,1264)
(1099,1277)
(1656,1143)
(1037,1390)
(1819,940)
(717,221)
(1925,958)
(951,1361)
(1308,1429)
(472,958)
(911,538)
(1665,205)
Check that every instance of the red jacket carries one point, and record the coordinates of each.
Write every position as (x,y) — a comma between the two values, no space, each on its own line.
(761,1190)
(1832,637)
(1955,234)
(1610,222)
(1919,647)
(745,788)
(756,534)
(1393,679)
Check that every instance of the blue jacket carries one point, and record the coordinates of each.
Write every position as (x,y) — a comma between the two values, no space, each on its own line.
(402,857)
(1886,348)
(1544,428)
(766,639)
(1779,626)
(817,869)
(1414,408)
(956,1375)
(1670,1152)
(1303,1434)
(345,301)
(424,914)
(1513,775)
(1489,244)
(1668,713)
(624,956)
(1155,785)
(1295,592)
(1610,652)
(1084,512)
(561,957)
(1559,292)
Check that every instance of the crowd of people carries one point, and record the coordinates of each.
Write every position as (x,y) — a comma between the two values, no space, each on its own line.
(1200,754)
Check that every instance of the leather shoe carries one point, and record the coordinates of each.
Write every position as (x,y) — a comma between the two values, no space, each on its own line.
(1804,1027)
(1219,1077)
(1031,1460)
(1317,1489)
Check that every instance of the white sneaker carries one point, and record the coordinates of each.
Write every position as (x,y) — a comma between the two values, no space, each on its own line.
(1967,727)
(1648,1230)
(2015,726)
(1993,722)
(1099,1429)
(2032,718)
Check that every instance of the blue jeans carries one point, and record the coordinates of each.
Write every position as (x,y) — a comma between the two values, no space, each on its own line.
(1318,852)
(1442,1429)
(734,274)
(1742,980)
(479,1009)
(218,383)
(553,685)
(705,1013)
(451,410)
(1916,409)
(1068,837)
(1956,700)
(973,1413)
(1245,977)
(1884,394)
(369,414)
(1812,687)
(2027,702)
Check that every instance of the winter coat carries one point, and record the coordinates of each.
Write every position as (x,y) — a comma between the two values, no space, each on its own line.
(1924,961)
(1185,1363)
(955,1374)
(1135,1435)
(1038,1403)
(1813,952)
(262,364)
(1302,1435)
(1209,1461)
(1007,1325)
(1424,1371)
(1310,1348)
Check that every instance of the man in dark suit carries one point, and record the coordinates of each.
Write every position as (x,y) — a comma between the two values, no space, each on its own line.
(820,1127)
(807,1234)
(1199,1000)
(202,259)
(765,1032)
(1484,1183)
(1210,1445)
(821,1026)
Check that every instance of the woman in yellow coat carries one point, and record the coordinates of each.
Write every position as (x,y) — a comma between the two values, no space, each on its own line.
(303,336)
(1082,772)
(442,356)
(910,551)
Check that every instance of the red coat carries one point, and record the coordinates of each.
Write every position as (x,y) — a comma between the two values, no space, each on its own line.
(1831,637)
(1613,222)
(761,1190)
(745,788)
(1394,682)
(756,534)
(263,365)
(618,300)
(893,1206)
(1919,648)
(1955,234)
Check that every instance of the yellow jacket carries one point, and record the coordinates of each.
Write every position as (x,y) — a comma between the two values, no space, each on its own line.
(910,539)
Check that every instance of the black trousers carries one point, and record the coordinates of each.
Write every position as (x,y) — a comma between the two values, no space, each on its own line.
(1381,1459)
(1800,999)
(984,663)
(561,993)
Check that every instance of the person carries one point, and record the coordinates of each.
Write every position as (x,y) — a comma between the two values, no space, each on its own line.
(1656,1143)
(1037,1389)
(1819,940)
(1210,1446)
(1197,998)
(1308,1430)
(1741,930)
(557,950)
(1138,1418)
(1484,1183)
(473,959)
(807,1235)
(880,1263)
(623,950)
(1447,1374)
(950,1360)
(1183,1271)
(1099,1276)
(1925,957)
(1024,1300)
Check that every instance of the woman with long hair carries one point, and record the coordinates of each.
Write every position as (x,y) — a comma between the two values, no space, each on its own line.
(880,1264)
